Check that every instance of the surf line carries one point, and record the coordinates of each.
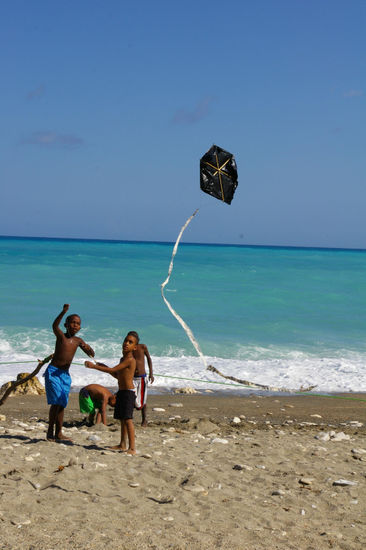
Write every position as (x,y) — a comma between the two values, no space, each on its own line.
(190,335)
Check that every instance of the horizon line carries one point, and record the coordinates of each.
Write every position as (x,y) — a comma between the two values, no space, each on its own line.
(132,241)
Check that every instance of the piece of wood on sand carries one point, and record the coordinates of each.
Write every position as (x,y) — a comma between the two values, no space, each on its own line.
(16,383)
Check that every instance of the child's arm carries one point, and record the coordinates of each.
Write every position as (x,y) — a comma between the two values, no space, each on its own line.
(103,409)
(109,370)
(149,362)
(103,365)
(55,325)
(86,348)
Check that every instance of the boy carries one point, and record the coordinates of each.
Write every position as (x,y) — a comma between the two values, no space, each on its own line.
(124,372)
(96,397)
(140,380)
(57,377)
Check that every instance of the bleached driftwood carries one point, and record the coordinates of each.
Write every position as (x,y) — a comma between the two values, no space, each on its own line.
(16,383)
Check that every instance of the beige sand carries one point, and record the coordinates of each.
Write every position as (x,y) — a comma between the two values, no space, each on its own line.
(199,480)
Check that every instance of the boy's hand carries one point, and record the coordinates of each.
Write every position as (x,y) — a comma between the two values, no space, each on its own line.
(65,308)
(151,378)
(89,364)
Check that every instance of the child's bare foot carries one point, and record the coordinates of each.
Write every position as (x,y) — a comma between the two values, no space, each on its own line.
(50,437)
(118,448)
(62,437)
(144,424)
(131,452)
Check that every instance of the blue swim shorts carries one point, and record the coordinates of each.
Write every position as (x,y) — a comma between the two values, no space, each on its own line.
(58,383)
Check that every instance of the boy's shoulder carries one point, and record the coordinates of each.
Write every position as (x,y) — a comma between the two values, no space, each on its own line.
(129,359)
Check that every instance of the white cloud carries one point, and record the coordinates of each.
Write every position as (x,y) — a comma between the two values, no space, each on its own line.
(200,111)
(353,93)
(49,139)
(36,93)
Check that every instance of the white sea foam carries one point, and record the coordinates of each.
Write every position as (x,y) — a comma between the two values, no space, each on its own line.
(344,373)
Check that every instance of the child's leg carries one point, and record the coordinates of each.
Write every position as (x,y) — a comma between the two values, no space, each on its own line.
(59,424)
(56,419)
(51,421)
(123,443)
(123,435)
(143,416)
(130,430)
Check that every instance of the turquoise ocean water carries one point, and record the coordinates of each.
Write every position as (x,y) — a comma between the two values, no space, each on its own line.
(279,316)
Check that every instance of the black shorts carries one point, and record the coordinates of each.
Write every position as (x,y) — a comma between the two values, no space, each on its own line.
(125,403)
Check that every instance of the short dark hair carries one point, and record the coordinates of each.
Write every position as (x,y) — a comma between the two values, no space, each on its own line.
(134,334)
(69,317)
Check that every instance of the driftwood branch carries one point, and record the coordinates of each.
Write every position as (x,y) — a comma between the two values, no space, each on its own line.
(258,386)
(16,383)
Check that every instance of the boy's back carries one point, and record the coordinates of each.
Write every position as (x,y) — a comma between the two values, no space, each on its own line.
(139,354)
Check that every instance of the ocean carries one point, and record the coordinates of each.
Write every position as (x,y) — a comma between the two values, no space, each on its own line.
(284,317)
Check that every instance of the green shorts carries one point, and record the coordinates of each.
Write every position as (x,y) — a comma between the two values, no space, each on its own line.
(87,405)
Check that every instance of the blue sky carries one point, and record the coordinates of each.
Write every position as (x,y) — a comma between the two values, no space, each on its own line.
(107,106)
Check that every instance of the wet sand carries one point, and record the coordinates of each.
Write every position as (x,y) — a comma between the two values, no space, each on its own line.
(212,471)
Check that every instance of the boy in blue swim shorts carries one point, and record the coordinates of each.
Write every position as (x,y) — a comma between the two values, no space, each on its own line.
(57,377)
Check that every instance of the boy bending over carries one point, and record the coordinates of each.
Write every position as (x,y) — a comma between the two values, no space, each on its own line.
(125,401)
(93,398)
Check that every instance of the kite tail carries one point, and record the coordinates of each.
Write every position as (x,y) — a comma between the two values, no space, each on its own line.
(186,328)
(258,386)
(190,335)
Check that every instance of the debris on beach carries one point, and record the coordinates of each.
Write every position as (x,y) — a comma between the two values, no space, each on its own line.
(186,390)
(22,380)
(344,483)
(306,481)
(332,436)
(220,440)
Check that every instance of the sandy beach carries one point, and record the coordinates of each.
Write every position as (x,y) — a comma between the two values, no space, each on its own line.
(212,471)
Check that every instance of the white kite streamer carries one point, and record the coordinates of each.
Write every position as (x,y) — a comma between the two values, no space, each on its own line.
(186,328)
(190,335)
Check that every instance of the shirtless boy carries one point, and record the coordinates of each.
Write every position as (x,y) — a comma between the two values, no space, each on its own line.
(94,398)
(140,379)
(124,372)
(57,377)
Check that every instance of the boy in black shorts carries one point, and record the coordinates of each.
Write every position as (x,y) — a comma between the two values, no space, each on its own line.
(125,402)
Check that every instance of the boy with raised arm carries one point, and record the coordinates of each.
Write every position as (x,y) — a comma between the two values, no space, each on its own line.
(140,379)
(57,377)
(125,401)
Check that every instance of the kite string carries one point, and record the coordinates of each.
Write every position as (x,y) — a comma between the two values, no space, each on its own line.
(186,328)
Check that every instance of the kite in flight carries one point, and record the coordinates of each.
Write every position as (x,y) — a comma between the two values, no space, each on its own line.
(218,174)
(218,178)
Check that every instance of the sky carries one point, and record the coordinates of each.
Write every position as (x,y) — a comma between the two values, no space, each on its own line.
(107,106)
